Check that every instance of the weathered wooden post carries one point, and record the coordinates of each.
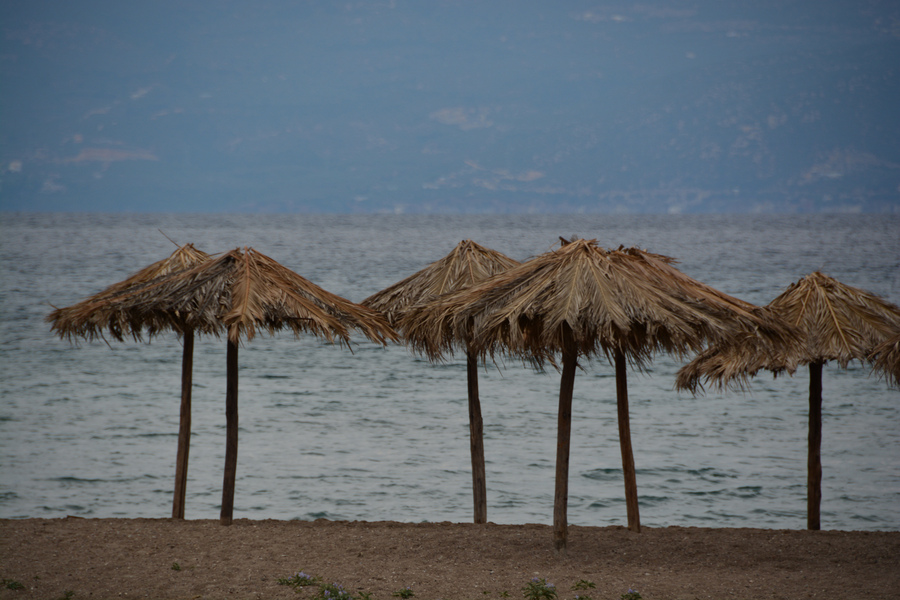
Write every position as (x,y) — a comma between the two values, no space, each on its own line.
(231,433)
(631,495)
(814,461)
(184,429)
(563,436)
(476,440)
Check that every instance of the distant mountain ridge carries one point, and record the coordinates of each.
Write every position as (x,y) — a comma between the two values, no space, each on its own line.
(451,107)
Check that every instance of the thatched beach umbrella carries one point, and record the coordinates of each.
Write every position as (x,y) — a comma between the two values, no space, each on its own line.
(836,321)
(243,291)
(100,315)
(583,300)
(467,264)
(240,292)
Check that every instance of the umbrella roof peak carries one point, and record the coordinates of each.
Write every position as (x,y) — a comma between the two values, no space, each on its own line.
(592,248)
(840,322)
(244,290)
(98,314)
(467,264)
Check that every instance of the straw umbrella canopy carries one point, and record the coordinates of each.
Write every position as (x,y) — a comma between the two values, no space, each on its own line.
(467,264)
(241,292)
(99,315)
(886,360)
(584,300)
(836,321)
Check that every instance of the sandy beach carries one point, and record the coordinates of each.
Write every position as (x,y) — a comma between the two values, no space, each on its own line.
(199,559)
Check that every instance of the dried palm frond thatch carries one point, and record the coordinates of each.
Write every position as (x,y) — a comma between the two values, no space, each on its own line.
(101,313)
(467,264)
(584,300)
(244,291)
(885,359)
(836,322)
(733,364)
(239,293)
(625,299)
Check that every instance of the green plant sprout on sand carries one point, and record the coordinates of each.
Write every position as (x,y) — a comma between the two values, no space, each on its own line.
(325,591)
(539,589)
(333,591)
(404,593)
(584,584)
(300,580)
(631,595)
(12,585)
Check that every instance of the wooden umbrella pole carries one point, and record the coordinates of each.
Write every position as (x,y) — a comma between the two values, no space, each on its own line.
(231,435)
(476,440)
(631,495)
(184,429)
(563,436)
(814,466)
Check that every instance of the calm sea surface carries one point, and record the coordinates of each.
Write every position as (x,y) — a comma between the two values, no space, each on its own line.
(90,429)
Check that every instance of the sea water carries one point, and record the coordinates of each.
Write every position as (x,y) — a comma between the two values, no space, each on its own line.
(373,433)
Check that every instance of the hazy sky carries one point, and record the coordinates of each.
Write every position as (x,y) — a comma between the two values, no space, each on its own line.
(507,106)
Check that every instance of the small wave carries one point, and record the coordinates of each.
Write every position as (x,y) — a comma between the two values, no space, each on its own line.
(781,514)
(720,515)
(704,493)
(346,502)
(865,518)
(748,491)
(509,503)
(651,501)
(708,473)
(603,474)
(324,514)
(52,401)
(77,508)
(70,479)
